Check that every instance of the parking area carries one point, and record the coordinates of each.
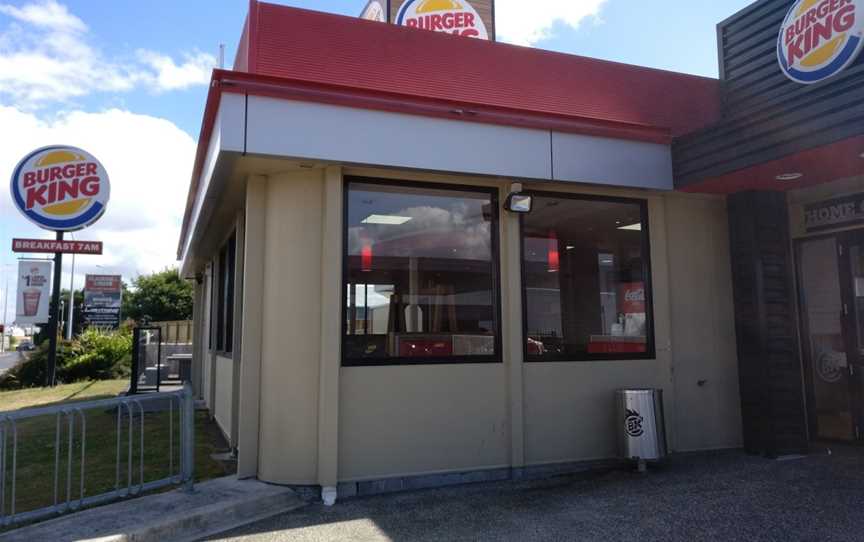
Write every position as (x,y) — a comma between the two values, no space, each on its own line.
(718,496)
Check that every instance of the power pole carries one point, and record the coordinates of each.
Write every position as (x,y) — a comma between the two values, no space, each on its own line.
(5,312)
(55,318)
(71,301)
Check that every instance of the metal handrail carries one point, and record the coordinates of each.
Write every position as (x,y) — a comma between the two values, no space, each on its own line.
(9,422)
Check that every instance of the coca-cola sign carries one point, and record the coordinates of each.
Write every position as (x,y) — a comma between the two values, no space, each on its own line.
(632,297)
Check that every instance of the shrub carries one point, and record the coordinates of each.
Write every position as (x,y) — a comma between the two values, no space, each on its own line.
(99,355)
(93,355)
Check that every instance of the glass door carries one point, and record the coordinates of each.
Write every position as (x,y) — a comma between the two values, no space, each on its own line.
(851,250)
(828,371)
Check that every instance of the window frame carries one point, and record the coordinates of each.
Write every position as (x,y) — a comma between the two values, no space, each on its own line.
(651,343)
(223,289)
(493,193)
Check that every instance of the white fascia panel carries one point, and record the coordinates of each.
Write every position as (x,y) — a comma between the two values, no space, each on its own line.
(231,122)
(615,162)
(316,131)
(228,135)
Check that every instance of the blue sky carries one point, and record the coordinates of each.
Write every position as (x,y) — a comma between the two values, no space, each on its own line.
(127,81)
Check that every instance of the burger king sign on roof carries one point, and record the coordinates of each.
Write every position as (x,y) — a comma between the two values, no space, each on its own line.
(60,188)
(452,16)
(819,38)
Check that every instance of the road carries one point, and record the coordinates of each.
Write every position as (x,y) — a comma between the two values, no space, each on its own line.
(7,360)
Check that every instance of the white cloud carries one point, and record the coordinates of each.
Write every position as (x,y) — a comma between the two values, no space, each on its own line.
(170,76)
(149,161)
(48,14)
(516,23)
(45,57)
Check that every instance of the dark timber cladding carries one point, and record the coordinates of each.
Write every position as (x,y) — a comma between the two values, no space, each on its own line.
(766,116)
(772,404)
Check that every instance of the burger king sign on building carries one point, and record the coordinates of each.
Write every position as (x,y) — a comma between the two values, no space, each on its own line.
(60,188)
(452,16)
(820,38)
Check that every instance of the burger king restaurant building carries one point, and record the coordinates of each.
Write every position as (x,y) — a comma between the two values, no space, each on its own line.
(371,314)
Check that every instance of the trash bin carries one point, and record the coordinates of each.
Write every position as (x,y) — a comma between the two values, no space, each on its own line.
(641,428)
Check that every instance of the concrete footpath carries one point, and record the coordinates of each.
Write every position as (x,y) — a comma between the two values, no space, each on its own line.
(722,496)
(215,506)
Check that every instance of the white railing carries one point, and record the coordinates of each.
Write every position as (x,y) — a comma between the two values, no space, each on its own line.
(71,420)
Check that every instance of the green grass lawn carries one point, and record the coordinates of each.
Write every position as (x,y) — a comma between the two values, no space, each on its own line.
(36,446)
(79,391)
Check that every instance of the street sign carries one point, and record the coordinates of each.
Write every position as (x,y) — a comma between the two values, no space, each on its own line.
(53,246)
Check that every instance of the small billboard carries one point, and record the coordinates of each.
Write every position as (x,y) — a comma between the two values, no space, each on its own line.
(103,295)
(34,289)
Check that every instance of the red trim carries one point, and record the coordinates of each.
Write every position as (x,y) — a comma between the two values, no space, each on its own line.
(839,160)
(211,109)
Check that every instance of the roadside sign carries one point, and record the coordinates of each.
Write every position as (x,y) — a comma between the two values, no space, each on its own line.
(103,295)
(34,280)
(60,188)
(53,246)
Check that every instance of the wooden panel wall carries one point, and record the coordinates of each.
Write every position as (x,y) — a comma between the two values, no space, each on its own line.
(767,116)
(772,399)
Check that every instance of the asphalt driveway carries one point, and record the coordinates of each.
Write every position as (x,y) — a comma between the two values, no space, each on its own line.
(8,360)
(723,496)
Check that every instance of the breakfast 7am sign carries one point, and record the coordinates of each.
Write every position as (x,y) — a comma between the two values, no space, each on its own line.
(60,188)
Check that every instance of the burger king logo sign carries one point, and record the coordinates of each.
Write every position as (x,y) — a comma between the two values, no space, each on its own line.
(819,38)
(60,188)
(452,16)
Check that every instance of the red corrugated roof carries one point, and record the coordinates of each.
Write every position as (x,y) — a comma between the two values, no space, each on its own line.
(328,49)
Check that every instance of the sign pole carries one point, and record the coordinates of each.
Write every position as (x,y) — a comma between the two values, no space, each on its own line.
(55,316)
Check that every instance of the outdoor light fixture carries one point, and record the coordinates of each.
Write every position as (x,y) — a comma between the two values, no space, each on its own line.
(784,177)
(632,227)
(386,220)
(517,202)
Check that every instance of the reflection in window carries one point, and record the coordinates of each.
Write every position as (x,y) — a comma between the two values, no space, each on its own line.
(420,280)
(586,279)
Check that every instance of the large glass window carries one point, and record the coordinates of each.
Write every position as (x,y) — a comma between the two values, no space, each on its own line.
(420,276)
(586,278)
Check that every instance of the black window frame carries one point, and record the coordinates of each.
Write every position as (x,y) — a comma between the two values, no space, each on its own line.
(223,283)
(651,343)
(492,192)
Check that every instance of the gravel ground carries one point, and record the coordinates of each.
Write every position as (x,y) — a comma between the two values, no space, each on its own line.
(720,496)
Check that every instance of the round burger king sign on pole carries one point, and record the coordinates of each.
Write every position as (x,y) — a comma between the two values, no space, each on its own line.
(452,16)
(820,38)
(59,188)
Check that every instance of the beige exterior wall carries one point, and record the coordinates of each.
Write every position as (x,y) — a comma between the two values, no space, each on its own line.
(708,413)
(291,315)
(203,342)
(319,422)
(224,375)
(416,420)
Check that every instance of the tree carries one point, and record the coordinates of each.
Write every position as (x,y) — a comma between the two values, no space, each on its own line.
(159,297)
